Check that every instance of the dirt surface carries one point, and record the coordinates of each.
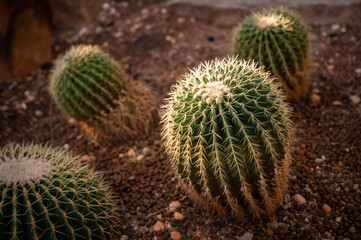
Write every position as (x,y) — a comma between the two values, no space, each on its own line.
(156,47)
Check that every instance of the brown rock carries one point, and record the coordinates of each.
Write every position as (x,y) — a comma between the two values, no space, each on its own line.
(146,151)
(130,153)
(85,158)
(198,233)
(299,199)
(175,235)
(124,237)
(336,103)
(273,225)
(314,99)
(173,206)
(178,216)
(30,37)
(326,209)
(158,226)
(269,231)
(139,158)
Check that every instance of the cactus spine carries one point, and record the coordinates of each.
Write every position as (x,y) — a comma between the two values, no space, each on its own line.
(278,40)
(226,128)
(86,82)
(48,194)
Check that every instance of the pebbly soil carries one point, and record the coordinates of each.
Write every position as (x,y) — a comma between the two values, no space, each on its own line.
(155,47)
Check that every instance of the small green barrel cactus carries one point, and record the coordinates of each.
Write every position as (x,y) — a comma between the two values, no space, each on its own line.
(226,127)
(91,87)
(86,82)
(47,194)
(278,40)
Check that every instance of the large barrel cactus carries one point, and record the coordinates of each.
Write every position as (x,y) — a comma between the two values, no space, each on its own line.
(48,194)
(226,127)
(278,40)
(91,87)
(86,82)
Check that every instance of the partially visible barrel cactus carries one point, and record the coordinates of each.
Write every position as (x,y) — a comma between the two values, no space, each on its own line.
(86,82)
(226,127)
(278,40)
(48,194)
(92,88)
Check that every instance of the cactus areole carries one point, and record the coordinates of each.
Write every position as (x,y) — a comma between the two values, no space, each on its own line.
(277,40)
(86,82)
(226,128)
(47,194)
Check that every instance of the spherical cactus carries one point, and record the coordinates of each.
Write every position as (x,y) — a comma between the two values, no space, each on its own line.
(86,82)
(48,194)
(91,87)
(278,40)
(227,127)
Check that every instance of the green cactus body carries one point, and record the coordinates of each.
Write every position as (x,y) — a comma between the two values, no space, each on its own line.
(86,82)
(226,127)
(48,194)
(277,40)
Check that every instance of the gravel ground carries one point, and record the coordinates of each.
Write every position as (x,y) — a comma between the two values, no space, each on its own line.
(155,47)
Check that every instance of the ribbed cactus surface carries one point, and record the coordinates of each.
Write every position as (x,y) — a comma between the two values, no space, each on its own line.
(86,82)
(47,194)
(278,40)
(226,128)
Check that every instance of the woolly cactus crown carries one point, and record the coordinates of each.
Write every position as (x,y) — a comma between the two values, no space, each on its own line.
(86,82)
(48,194)
(277,40)
(226,127)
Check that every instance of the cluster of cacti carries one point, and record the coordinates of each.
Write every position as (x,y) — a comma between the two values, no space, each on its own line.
(226,127)
(278,40)
(46,193)
(90,86)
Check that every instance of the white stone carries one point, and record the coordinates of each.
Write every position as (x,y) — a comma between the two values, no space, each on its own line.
(106,6)
(355,99)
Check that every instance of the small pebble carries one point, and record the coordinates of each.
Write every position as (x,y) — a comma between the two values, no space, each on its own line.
(38,113)
(158,226)
(130,153)
(106,6)
(355,99)
(352,229)
(173,206)
(139,158)
(124,237)
(299,199)
(314,99)
(335,27)
(175,235)
(326,208)
(318,160)
(146,151)
(198,233)
(273,225)
(85,158)
(246,236)
(178,216)
(336,103)
(358,71)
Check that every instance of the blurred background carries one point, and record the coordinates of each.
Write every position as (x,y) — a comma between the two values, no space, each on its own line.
(30,29)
